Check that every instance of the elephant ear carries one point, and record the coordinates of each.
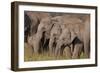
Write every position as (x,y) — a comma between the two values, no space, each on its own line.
(73,36)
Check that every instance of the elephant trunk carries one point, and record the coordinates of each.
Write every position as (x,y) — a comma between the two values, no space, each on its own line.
(37,39)
(57,50)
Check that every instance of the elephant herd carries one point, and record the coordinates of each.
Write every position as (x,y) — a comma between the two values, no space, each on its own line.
(58,34)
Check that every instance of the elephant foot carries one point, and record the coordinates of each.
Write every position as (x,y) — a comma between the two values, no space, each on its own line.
(36,52)
(58,54)
(51,53)
(77,51)
(67,52)
(87,55)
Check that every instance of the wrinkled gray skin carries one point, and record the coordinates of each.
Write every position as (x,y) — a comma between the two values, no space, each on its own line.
(72,28)
(43,30)
(54,35)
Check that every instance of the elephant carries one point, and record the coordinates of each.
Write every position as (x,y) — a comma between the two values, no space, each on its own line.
(60,21)
(72,50)
(54,35)
(43,33)
(72,28)
(63,41)
(85,38)
(32,20)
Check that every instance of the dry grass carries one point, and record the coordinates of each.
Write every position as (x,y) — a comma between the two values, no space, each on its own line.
(42,57)
(30,56)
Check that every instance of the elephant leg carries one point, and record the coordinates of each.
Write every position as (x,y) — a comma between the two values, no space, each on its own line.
(37,42)
(57,50)
(30,41)
(51,45)
(86,49)
(36,47)
(77,51)
(72,48)
(67,52)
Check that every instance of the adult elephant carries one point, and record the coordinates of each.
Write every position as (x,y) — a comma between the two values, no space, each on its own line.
(32,20)
(73,28)
(54,35)
(43,33)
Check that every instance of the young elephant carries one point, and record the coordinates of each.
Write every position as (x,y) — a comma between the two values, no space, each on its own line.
(63,41)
